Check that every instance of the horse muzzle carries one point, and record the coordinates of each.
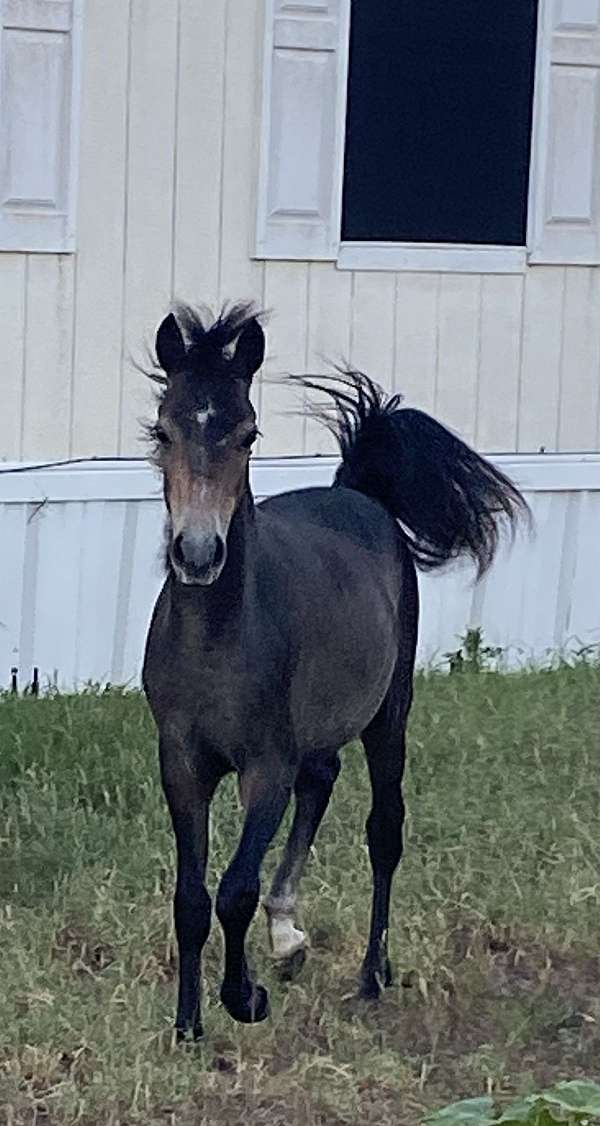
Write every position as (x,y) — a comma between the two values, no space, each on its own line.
(198,560)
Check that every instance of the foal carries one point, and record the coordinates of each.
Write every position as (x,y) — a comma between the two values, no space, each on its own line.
(285,630)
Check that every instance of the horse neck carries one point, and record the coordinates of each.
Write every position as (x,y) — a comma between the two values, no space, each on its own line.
(240,551)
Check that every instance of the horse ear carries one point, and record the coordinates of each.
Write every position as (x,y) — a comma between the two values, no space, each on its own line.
(170,345)
(250,350)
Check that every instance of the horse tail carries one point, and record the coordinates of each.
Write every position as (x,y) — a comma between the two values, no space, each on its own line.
(449,501)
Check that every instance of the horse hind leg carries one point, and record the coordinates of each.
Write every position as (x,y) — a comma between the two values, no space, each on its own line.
(313,786)
(384,743)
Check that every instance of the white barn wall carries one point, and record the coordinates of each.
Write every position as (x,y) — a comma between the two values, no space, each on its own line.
(169,143)
(82,566)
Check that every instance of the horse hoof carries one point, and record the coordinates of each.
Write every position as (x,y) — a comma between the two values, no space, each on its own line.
(374,980)
(189,1035)
(288,968)
(248,1007)
(370,989)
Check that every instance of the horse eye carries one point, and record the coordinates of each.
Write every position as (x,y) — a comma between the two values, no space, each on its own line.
(161,436)
(249,440)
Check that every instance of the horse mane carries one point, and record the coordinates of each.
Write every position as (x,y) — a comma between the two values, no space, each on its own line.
(208,336)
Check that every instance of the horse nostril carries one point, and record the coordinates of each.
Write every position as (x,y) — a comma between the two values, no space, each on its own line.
(219,552)
(177,550)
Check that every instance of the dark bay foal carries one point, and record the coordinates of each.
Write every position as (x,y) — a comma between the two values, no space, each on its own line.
(287,629)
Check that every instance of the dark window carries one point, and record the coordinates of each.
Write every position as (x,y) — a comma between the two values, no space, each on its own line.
(439,120)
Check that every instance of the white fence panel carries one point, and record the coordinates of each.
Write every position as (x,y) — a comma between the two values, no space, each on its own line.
(82,564)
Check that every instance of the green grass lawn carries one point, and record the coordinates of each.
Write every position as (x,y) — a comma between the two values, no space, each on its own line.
(495,931)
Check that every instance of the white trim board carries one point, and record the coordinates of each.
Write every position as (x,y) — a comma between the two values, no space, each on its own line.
(135,479)
(432,257)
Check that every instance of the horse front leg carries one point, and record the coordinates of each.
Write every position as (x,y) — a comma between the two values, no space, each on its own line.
(189,786)
(265,792)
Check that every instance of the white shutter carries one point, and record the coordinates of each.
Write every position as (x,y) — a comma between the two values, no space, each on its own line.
(39,96)
(565,188)
(303,122)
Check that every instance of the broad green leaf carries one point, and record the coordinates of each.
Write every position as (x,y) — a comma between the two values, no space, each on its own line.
(530,1111)
(579,1096)
(468,1112)
(543,1116)
(517,1113)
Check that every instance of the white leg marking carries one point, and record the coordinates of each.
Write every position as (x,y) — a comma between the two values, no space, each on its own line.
(284,937)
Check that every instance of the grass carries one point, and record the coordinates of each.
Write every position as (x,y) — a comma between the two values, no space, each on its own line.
(494,930)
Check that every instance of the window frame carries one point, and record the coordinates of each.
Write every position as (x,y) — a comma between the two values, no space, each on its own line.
(285,232)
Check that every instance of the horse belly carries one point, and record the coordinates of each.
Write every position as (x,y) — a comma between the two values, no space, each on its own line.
(342,678)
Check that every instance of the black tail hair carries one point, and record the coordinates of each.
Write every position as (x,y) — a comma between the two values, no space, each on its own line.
(449,501)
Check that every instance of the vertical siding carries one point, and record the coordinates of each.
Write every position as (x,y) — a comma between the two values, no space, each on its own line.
(329,316)
(499,360)
(328,339)
(101,229)
(458,352)
(51,608)
(150,193)
(541,348)
(585,578)
(579,395)
(372,341)
(286,291)
(12,334)
(170,123)
(199,151)
(239,276)
(47,391)
(417,337)
(14,519)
